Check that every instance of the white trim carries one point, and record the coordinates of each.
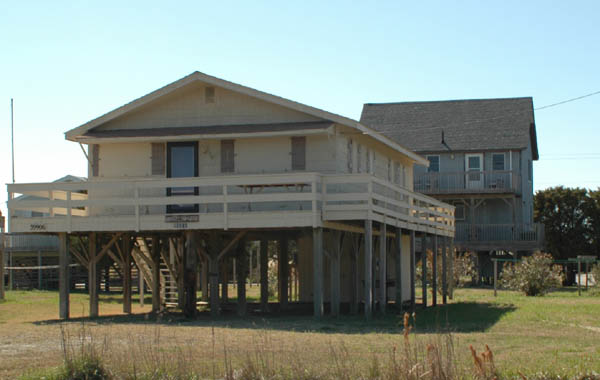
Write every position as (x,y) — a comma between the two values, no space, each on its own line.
(77,133)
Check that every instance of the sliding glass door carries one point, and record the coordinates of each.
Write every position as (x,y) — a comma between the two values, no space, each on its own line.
(182,162)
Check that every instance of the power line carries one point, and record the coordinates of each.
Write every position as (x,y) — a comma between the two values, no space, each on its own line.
(473,121)
(568,100)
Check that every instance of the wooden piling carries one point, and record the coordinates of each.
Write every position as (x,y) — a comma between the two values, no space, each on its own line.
(283,272)
(318,272)
(126,242)
(424,269)
(93,274)
(382,268)
(368,268)
(413,271)
(434,271)
(398,267)
(63,276)
(264,275)
(190,264)
(156,304)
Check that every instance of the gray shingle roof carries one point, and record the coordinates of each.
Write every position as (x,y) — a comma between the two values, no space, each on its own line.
(467,125)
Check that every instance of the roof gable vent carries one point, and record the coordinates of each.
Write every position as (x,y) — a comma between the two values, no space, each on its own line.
(209,95)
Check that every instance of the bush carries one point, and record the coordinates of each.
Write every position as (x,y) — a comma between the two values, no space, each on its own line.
(534,275)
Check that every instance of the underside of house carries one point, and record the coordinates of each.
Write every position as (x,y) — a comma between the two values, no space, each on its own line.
(191,184)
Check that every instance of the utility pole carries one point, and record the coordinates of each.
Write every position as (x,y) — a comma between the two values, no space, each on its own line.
(1,256)
(12,139)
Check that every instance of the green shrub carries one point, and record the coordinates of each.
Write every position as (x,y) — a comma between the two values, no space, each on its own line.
(534,275)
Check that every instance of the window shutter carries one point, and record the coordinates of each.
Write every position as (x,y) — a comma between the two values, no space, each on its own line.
(227,156)
(350,155)
(298,153)
(95,160)
(158,159)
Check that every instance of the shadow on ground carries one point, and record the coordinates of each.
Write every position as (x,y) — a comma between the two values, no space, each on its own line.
(456,317)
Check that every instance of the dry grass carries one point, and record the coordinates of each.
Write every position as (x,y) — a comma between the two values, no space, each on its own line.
(554,333)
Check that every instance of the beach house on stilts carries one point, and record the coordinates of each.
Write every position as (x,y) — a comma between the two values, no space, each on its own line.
(183,179)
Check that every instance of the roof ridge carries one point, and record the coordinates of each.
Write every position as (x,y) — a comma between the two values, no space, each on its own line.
(450,101)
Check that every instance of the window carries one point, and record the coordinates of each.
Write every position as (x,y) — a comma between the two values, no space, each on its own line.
(397,173)
(299,153)
(459,212)
(209,95)
(368,161)
(434,164)
(389,169)
(498,161)
(529,170)
(227,156)
(358,158)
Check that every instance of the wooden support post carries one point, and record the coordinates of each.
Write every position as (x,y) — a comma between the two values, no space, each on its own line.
(578,275)
(368,268)
(190,267)
(318,271)
(93,274)
(264,275)
(334,257)
(398,267)
(495,277)
(354,280)
(213,273)
(452,256)
(424,269)
(141,286)
(39,271)
(204,280)
(434,271)
(241,272)
(126,274)
(179,269)
(444,270)
(64,282)
(413,271)
(156,274)
(2,293)
(283,272)
(250,267)
(224,281)
(382,268)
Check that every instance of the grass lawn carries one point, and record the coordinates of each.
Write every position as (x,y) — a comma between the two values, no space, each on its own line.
(559,333)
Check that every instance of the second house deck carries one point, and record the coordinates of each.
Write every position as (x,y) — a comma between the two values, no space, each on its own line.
(225,202)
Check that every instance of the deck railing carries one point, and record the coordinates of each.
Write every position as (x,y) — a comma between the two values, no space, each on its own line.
(466,232)
(503,181)
(30,242)
(233,201)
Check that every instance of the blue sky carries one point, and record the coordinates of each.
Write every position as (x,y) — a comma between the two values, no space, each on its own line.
(66,63)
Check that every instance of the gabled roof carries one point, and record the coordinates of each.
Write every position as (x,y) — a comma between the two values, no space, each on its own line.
(456,125)
(77,133)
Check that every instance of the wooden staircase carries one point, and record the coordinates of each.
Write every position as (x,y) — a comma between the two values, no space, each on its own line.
(168,282)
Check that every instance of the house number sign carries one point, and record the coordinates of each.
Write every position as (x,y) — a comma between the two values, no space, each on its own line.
(181,221)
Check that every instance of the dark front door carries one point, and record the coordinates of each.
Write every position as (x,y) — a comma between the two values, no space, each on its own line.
(182,161)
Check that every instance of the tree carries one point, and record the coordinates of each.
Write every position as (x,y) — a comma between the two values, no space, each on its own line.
(592,211)
(564,213)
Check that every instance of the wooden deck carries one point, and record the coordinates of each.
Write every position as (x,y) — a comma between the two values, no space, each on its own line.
(484,182)
(225,202)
